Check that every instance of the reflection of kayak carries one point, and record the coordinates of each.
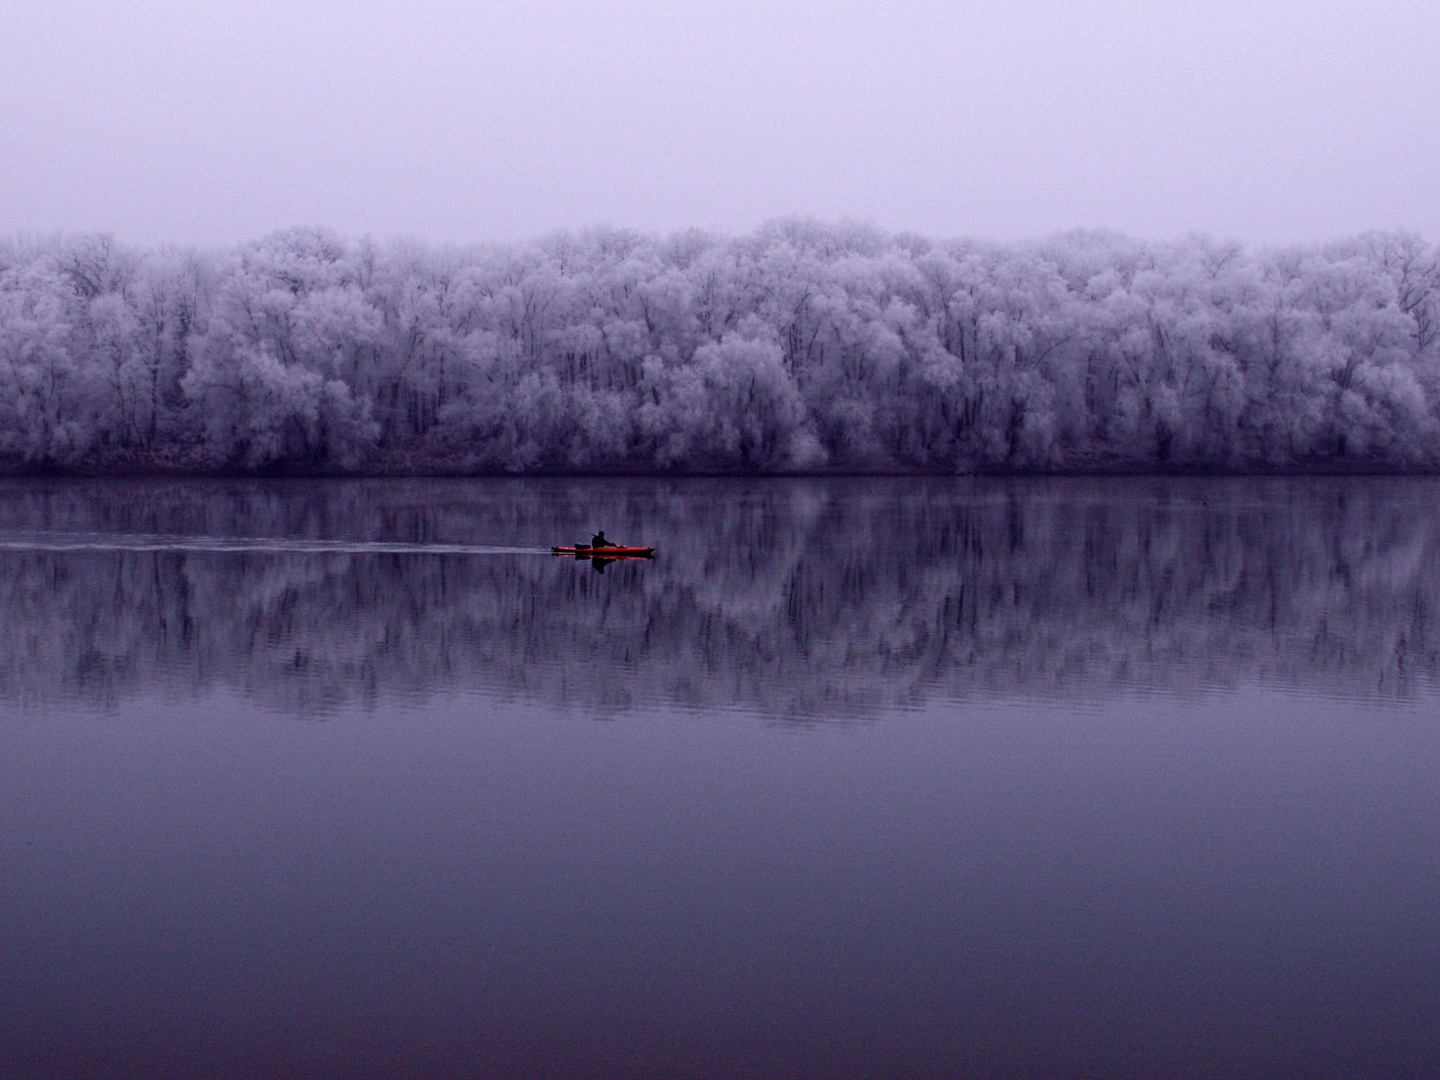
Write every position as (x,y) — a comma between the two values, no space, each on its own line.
(605,552)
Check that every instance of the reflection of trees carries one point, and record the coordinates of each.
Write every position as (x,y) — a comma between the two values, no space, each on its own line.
(789,597)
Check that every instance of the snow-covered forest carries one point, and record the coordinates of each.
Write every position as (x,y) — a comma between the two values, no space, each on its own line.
(803,347)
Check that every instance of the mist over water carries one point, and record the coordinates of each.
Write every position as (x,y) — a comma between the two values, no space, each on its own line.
(903,777)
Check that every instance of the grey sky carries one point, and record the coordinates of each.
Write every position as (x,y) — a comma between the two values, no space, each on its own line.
(1267,120)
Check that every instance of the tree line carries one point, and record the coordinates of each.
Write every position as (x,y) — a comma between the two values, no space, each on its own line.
(804,346)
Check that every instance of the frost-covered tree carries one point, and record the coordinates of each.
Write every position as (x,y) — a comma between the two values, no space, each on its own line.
(805,345)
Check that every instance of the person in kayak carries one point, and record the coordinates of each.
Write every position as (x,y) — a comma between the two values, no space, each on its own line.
(599,541)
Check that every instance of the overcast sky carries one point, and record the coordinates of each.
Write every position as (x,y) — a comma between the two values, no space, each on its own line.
(456,120)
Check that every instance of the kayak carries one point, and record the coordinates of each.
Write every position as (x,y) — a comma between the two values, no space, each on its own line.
(605,552)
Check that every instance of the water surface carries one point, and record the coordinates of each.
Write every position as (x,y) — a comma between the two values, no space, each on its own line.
(856,778)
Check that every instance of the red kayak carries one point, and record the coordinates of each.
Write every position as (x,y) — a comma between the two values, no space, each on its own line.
(606,552)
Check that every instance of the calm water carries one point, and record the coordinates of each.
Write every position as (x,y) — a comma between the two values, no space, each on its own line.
(883,778)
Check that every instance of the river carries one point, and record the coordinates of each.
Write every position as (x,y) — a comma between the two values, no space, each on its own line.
(856,778)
